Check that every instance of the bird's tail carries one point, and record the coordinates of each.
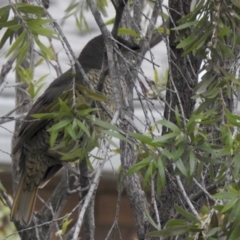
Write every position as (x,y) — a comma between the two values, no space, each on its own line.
(23,204)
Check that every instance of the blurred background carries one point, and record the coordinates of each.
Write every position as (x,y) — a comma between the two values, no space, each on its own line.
(106,198)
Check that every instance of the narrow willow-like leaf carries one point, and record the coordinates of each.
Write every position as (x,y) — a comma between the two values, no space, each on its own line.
(185,25)
(127,31)
(9,34)
(83,127)
(141,137)
(165,137)
(59,125)
(184,213)
(225,195)
(173,231)
(22,53)
(161,178)
(31,9)
(105,125)
(115,134)
(18,42)
(138,166)
(169,125)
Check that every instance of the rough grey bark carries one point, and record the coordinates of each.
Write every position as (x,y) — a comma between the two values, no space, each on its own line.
(182,80)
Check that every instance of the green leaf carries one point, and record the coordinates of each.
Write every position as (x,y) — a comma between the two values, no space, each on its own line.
(225,50)
(43,31)
(15,27)
(115,135)
(38,22)
(141,137)
(229,205)
(9,23)
(84,112)
(234,216)
(138,166)
(148,174)
(236,3)
(161,177)
(186,42)
(192,162)
(43,115)
(64,106)
(77,153)
(185,214)
(156,75)
(4,13)
(83,127)
(65,224)
(22,53)
(53,137)
(112,143)
(150,220)
(71,7)
(181,167)
(71,131)
(78,23)
(212,232)
(106,125)
(178,118)
(204,105)
(236,165)
(169,125)
(165,137)
(127,31)
(47,52)
(224,31)
(179,152)
(9,34)
(225,195)
(173,231)
(176,223)
(31,9)
(93,95)
(198,44)
(185,25)
(234,233)
(20,40)
(162,30)
(59,125)
(31,90)
(166,153)
(110,21)
(5,9)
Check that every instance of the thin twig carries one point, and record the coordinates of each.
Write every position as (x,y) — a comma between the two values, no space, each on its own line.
(182,189)
(5,70)
(3,196)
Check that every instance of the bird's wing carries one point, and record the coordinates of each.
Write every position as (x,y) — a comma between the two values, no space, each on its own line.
(44,104)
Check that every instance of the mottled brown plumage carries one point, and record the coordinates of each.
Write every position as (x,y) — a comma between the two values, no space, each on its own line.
(37,162)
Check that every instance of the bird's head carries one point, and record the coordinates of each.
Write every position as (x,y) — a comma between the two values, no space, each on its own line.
(91,56)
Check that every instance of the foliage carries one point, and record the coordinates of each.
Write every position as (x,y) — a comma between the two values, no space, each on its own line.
(7,228)
(205,146)
(211,33)
(29,24)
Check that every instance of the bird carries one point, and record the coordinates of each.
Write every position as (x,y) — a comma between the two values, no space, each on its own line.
(37,165)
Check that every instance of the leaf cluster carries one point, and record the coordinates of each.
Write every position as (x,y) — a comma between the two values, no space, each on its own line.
(78,9)
(210,137)
(28,24)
